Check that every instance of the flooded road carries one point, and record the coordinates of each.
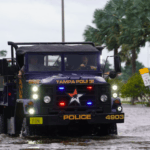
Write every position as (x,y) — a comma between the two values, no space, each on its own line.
(133,134)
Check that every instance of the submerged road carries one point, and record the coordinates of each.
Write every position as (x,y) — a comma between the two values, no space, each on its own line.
(133,134)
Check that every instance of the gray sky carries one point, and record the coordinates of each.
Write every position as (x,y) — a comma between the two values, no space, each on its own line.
(40,21)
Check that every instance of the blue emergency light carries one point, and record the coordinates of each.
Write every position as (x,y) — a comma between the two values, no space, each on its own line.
(89,103)
(61,88)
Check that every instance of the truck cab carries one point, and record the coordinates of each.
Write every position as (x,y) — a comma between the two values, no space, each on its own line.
(60,88)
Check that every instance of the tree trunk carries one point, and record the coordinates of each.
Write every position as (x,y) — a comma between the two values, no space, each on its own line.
(132,100)
(133,61)
(115,51)
(149,103)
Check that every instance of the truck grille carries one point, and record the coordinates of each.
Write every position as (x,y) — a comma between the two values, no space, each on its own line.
(58,94)
(72,92)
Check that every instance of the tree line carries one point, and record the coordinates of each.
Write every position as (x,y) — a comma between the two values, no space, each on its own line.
(123,26)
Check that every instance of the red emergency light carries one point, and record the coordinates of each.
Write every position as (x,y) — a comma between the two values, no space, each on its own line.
(62,104)
(9,94)
(89,87)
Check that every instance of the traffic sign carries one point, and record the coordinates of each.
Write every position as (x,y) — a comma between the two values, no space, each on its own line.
(145,76)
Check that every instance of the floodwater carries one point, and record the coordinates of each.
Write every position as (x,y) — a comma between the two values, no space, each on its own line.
(132,135)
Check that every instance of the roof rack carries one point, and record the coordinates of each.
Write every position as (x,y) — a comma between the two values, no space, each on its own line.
(15,45)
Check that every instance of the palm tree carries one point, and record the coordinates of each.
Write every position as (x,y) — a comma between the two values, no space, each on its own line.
(3,53)
(124,24)
(135,28)
(107,22)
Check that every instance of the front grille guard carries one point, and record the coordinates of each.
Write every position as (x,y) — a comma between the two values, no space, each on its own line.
(56,95)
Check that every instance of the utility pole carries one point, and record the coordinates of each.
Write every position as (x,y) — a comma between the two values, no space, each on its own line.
(63,24)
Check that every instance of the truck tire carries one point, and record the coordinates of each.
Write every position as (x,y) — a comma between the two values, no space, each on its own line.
(3,124)
(24,129)
(113,129)
(107,129)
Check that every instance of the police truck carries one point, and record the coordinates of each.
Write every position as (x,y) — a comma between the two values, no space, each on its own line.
(47,88)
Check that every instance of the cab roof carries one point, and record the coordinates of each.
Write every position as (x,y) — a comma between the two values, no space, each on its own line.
(56,48)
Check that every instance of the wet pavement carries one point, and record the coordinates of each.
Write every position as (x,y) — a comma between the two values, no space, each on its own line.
(133,134)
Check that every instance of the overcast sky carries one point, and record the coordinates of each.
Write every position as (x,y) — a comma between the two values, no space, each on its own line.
(40,21)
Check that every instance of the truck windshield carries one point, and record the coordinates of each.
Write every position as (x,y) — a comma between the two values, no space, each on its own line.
(44,63)
(76,62)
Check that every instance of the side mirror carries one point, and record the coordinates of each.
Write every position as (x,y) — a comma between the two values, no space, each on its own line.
(112,74)
(117,63)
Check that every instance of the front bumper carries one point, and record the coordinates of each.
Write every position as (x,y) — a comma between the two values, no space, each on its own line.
(65,119)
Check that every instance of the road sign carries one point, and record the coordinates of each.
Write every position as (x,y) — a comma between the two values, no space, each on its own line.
(145,76)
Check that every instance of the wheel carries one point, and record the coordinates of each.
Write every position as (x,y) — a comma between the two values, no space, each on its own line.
(113,129)
(107,129)
(3,124)
(24,129)
(27,130)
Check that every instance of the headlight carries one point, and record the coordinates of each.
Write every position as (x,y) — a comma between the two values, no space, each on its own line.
(47,99)
(103,98)
(31,111)
(114,87)
(119,108)
(35,96)
(34,88)
(115,95)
